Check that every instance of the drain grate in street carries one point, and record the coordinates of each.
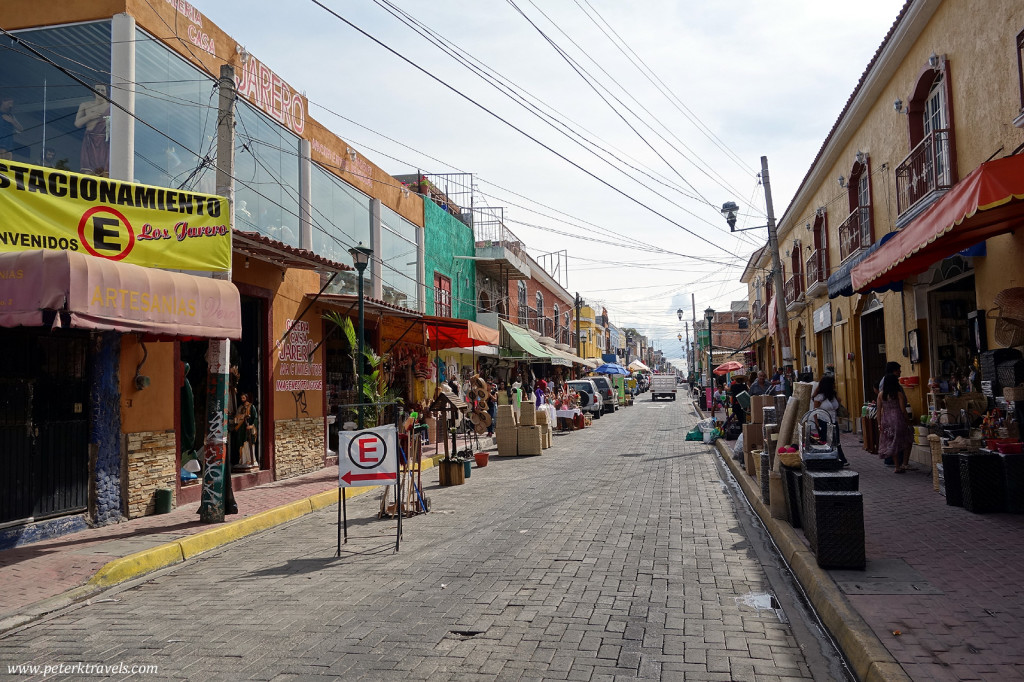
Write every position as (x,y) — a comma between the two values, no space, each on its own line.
(466,634)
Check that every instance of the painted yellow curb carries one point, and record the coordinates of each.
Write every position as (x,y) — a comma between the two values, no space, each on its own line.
(152,559)
(868,657)
(126,568)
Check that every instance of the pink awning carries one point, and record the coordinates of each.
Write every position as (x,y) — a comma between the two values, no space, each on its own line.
(86,292)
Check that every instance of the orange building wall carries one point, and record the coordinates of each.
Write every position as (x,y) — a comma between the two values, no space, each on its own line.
(152,408)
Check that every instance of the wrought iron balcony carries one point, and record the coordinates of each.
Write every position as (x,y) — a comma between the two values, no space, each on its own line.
(925,174)
(795,292)
(817,273)
(855,232)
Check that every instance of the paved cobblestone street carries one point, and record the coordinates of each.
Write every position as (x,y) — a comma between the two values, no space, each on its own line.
(619,553)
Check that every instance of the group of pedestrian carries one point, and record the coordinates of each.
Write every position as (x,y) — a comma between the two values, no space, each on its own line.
(895,428)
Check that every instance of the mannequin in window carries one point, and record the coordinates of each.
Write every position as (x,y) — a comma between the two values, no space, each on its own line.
(92,115)
(9,125)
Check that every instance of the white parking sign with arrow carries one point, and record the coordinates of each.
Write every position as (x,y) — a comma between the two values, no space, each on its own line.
(368,457)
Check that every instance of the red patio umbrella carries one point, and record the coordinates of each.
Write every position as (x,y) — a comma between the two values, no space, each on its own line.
(726,367)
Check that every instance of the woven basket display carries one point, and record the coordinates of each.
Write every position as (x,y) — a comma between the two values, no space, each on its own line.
(792,490)
(789,459)
(529,440)
(982,482)
(1013,393)
(951,471)
(1013,468)
(822,481)
(1008,311)
(839,522)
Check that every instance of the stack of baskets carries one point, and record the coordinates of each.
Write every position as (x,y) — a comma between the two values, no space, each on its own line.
(545,429)
(506,431)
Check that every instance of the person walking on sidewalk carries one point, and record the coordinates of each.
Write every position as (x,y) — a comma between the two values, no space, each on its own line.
(892,420)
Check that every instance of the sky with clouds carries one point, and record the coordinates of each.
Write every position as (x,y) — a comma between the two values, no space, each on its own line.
(619,128)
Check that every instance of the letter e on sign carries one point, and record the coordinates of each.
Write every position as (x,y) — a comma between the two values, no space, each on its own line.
(106,233)
(367,450)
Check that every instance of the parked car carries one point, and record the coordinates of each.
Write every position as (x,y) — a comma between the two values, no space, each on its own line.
(608,392)
(590,397)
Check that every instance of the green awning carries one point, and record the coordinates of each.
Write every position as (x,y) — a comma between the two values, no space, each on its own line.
(514,336)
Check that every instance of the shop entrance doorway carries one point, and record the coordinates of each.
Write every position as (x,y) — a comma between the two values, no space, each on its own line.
(44,424)
(872,343)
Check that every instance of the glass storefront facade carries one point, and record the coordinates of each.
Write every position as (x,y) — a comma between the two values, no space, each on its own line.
(50,118)
(180,102)
(398,255)
(46,116)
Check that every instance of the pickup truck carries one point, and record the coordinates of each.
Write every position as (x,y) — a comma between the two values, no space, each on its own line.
(663,385)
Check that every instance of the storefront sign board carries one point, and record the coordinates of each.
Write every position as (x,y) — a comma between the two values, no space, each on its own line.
(155,227)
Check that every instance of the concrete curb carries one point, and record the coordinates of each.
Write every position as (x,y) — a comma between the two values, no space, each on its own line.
(868,657)
(146,561)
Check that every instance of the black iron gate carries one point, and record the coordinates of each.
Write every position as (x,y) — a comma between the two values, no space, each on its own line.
(44,424)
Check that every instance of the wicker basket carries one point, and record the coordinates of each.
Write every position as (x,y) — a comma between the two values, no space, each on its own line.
(1013,393)
(982,482)
(839,523)
(529,440)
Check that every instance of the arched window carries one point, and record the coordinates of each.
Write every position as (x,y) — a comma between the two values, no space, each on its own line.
(930,168)
(554,317)
(485,302)
(539,317)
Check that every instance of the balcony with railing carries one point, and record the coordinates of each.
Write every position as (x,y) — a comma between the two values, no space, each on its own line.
(855,232)
(817,274)
(795,292)
(923,176)
(499,252)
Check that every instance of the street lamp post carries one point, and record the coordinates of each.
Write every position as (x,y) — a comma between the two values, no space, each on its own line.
(709,316)
(729,210)
(360,258)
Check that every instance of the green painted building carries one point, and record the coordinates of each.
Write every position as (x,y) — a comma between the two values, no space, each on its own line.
(445,237)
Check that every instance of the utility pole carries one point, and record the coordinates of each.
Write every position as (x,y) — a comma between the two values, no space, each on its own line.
(689,367)
(216,479)
(780,286)
(579,303)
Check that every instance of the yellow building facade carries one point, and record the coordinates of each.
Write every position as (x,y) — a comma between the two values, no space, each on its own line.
(943,95)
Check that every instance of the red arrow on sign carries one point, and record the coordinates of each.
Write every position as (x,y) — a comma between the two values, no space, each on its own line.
(349,477)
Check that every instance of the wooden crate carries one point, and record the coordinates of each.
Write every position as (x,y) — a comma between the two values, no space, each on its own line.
(542,418)
(529,440)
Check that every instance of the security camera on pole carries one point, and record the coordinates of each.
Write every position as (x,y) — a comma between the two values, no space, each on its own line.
(729,210)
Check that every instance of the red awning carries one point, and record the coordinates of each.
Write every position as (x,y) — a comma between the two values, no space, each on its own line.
(86,292)
(987,203)
(449,332)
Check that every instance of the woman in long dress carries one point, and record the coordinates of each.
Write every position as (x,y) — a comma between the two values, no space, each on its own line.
(895,439)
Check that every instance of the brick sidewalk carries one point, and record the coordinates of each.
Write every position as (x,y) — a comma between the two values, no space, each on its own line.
(39,571)
(974,628)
